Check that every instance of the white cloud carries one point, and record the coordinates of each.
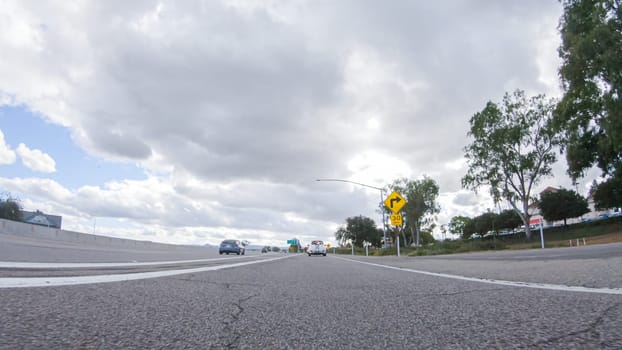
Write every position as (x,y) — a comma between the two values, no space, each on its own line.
(160,210)
(235,108)
(7,155)
(457,164)
(36,160)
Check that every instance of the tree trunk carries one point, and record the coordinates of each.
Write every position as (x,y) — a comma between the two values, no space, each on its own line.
(417,240)
(527,217)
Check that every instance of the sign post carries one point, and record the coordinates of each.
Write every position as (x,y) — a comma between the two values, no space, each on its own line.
(541,222)
(397,240)
(395,202)
(541,234)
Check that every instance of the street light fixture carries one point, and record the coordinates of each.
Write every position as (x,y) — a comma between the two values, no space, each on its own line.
(384,230)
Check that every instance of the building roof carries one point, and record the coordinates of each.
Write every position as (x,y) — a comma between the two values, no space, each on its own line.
(42,219)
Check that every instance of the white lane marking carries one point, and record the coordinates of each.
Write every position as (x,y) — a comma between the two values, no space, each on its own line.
(25,282)
(39,265)
(560,287)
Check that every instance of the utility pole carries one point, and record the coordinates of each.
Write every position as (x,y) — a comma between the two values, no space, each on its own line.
(384,229)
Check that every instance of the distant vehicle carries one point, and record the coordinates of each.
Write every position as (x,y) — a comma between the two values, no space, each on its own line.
(265,249)
(231,246)
(316,247)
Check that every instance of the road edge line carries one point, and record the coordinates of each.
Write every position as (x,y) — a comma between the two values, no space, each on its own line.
(31,282)
(535,285)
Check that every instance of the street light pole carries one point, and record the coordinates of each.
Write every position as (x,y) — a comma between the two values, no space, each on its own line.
(384,230)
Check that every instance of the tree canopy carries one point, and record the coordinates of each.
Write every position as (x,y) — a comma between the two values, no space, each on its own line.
(421,204)
(608,194)
(562,204)
(484,223)
(512,149)
(359,229)
(457,224)
(589,115)
(10,209)
(507,220)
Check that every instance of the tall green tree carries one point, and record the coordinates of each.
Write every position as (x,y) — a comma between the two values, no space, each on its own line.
(469,229)
(512,149)
(426,238)
(359,229)
(485,223)
(608,194)
(589,115)
(508,220)
(421,204)
(457,224)
(562,204)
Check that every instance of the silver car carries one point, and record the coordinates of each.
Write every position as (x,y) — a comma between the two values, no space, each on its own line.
(316,247)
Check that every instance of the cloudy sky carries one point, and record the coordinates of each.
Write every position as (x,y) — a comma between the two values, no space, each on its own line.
(194,121)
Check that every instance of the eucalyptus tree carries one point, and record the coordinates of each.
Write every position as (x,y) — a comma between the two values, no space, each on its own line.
(421,204)
(588,115)
(512,149)
(359,229)
(457,224)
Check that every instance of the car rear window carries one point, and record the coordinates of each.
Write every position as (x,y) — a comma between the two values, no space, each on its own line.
(317,242)
(228,242)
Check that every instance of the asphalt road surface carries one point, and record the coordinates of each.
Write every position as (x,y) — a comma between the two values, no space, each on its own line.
(283,301)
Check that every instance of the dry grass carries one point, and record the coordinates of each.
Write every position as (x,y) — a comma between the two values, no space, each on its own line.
(612,237)
(604,239)
(599,239)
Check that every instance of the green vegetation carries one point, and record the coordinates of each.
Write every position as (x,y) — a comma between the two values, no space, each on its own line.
(507,220)
(588,115)
(420,209)
(359,229)
(562,204)
(512,149)
(589,111)
(554,237)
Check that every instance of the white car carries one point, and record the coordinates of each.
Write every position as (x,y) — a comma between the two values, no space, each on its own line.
(316,248)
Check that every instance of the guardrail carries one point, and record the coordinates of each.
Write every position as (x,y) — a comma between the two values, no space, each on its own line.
(21,229)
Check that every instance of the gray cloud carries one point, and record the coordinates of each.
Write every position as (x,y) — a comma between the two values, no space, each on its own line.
(262,99)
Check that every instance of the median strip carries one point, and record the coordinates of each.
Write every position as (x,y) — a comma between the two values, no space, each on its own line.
(558,287)
(27,282)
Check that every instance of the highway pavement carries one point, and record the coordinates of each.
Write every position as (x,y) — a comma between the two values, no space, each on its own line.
(291,301)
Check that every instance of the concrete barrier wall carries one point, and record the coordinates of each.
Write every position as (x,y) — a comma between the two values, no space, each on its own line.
(15,228)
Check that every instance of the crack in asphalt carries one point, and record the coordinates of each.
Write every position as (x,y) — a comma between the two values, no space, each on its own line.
(227,285)
(235,317)
(591,329)
(230,336)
